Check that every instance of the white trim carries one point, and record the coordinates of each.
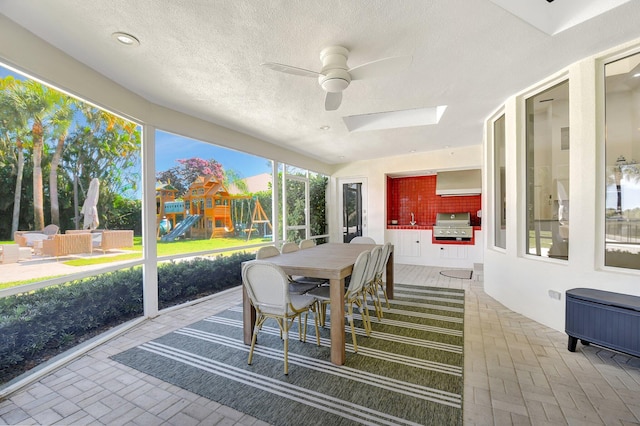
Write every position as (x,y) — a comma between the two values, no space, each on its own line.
(149,223)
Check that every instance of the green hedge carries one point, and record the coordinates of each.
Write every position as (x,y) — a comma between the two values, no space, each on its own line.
(37,325)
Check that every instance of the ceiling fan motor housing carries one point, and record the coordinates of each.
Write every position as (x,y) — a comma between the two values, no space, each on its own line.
(334,76)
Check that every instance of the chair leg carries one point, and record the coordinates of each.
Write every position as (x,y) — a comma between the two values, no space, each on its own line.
(384,293)
(303,337)
(378,302)
(316,308)
(256,329)
(323,313)
(286,347)
(373,291)
(366,319)
(353,328)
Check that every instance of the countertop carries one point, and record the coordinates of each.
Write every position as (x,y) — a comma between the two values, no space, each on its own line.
(422,227)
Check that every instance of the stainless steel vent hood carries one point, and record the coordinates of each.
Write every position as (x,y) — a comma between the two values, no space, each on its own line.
(459,182)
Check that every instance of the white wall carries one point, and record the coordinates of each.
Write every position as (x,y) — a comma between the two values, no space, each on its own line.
(522,282)
(376,170)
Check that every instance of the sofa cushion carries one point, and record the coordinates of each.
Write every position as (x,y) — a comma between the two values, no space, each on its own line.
(34,236)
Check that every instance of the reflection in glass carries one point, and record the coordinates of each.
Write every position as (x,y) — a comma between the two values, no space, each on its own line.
(500,207)
(547,179)
(352,211)
(622,149)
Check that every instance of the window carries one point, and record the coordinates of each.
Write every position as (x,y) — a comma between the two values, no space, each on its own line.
(318,205)
(296,211)
(547,173)
(499,165)
(54,149)
(622,149)
(238,210)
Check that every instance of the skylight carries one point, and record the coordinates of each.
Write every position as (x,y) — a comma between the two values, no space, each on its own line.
(394,119)
(557,16)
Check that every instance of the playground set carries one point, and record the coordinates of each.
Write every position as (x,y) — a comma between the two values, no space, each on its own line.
(204,212)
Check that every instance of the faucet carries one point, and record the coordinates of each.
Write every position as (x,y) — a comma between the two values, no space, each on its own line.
(413,219)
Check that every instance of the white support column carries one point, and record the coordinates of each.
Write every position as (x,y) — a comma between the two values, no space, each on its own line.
(285,212)
(275,194)
(307,207)
(149,219)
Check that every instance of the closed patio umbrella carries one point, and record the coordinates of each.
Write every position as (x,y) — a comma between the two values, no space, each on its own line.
(89,208)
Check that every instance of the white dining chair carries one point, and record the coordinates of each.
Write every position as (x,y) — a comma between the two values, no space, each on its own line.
(305,244)
(370,286)
(268,289)
(299,284)
(353,296)
(380,271)
(266,252)
(362,240)
(289,247)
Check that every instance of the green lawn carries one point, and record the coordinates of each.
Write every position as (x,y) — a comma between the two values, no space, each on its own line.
(164,249)
(167,249)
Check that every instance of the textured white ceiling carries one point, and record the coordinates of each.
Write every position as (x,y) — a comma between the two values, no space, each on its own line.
(203,58)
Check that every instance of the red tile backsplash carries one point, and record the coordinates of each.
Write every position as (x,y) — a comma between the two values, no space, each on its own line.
(417,194)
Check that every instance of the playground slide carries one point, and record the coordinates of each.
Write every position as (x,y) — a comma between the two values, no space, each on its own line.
(181,228)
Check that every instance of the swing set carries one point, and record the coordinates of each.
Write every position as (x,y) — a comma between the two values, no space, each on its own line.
(258,216)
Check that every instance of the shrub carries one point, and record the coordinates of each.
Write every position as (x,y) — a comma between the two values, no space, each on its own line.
(35,326)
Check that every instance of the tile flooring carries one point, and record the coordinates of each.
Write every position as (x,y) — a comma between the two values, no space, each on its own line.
(516,372)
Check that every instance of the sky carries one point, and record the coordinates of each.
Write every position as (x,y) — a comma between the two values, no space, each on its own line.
(171,147)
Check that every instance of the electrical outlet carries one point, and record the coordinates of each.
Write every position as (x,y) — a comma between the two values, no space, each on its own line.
(555,294)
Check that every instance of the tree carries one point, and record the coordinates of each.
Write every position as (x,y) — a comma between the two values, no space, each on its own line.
(35,102)
(61,122)
(105,147)
(41,127)
(188,170)
(14,130)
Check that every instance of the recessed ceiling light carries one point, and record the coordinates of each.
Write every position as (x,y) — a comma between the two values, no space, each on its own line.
(325,127)
(126,39)
(637,75)
(412,151)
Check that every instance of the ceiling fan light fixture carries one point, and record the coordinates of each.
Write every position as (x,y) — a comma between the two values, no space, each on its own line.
(334,85)
(335,80)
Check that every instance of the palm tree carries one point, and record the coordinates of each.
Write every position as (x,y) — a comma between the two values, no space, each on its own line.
(232,177)
(14,129)
(61,121)
(36,101)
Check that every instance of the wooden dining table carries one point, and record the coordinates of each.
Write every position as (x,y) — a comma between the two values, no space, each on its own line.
(332,261)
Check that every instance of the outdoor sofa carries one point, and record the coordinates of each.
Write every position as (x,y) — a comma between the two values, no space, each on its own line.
(104,239)
(28,238)
(66,244)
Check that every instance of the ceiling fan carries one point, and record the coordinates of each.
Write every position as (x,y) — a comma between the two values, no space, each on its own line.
(335,75)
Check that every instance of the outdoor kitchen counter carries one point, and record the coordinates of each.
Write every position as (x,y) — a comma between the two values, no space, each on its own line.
(414,245)
(407,226)
(422,227)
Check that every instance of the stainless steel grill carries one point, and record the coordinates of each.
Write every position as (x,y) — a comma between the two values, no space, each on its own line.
(453,227)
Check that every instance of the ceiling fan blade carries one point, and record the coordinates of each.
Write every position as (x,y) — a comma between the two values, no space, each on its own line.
(290,69)
(381,67)
(332,101)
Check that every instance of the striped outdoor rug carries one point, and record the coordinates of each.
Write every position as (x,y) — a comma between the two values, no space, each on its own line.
(408,372)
